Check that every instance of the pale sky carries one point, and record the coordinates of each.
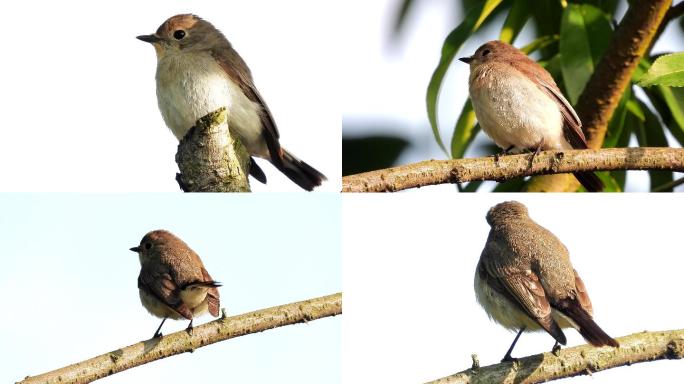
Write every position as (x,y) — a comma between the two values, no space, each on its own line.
(67,259)
(410,313)
(78,91)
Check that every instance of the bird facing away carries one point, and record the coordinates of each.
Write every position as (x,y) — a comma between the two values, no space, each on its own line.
(519,105)
(525,281)
(173,282)
(198,72)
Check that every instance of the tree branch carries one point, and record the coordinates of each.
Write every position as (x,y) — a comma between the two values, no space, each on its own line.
(613,74)
(581,360)
(210,159)
(434,172)
(218,330)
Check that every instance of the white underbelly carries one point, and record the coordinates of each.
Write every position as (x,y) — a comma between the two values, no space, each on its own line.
(199,87)
(515,112)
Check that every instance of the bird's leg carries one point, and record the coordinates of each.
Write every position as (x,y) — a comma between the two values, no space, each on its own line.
(504,153)
(536,151)
(157,333)
(189,328)
(556,348)
(508,354)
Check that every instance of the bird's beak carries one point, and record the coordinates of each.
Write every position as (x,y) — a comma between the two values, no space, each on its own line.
(149,38)
(135,249)
(466,60)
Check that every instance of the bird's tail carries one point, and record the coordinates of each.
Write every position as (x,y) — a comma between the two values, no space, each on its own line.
(588,328)
(589,181)
(300,172)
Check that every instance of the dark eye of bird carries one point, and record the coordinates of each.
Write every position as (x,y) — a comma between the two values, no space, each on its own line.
(148,245)
(179,34)
(485,52)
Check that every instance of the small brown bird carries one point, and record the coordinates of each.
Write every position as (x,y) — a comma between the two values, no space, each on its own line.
(198,72)
(519,105)
(173,282)
(525,281)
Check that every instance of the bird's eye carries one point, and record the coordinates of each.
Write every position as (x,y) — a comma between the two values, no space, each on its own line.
(148,245)
(179,34)
(485,52)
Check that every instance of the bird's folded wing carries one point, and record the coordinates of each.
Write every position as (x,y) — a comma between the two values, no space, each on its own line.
(582,294)
(165,290)
(238,71)
(523,287)
(213,300)
(572,127)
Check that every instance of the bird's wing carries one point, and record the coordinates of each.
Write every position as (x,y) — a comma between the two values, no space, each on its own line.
(238,71)
(572,126)
(524,288)
(165,290)
(582,295)
(212,295)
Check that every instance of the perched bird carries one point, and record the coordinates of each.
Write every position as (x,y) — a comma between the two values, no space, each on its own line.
(525,281)
(198,71)
(173,282)
(519,105)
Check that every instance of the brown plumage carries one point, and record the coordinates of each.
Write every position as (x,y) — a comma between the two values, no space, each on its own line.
(497,57)
(525,281)
(173,282)
(184,38)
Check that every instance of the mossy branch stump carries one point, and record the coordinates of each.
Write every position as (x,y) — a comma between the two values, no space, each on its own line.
(210,159)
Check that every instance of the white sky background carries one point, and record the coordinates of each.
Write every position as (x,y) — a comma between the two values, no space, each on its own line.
(410,312)
(70,282)
(386,95)
(78,92)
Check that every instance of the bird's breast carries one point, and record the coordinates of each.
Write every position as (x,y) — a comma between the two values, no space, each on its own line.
(191,86)
(513,111)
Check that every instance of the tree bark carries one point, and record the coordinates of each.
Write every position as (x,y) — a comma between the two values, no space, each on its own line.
(218,330)
(434,172)
(581,360)
(210,159)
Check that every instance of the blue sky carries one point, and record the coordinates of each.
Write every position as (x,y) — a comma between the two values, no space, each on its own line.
(66,257)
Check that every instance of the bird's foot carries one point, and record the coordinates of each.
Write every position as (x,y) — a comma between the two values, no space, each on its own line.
(509,359)
(157,334)
(556,349)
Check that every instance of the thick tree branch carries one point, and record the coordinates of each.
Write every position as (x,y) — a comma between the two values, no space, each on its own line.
(508,167)
(581,360)
(218,330)
(210,159)
(613,74)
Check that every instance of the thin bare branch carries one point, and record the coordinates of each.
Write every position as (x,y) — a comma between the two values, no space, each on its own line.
(218,330)
(581,360)
(508,167)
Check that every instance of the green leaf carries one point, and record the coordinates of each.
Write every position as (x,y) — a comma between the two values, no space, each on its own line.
(474,18)
(585,33)
(666,70)
(465,131)
(651,134)
(364,154)
(471,187)
(513,185)
(403,11)
(540,43)
(617,122)
(515,21)
(669,102)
